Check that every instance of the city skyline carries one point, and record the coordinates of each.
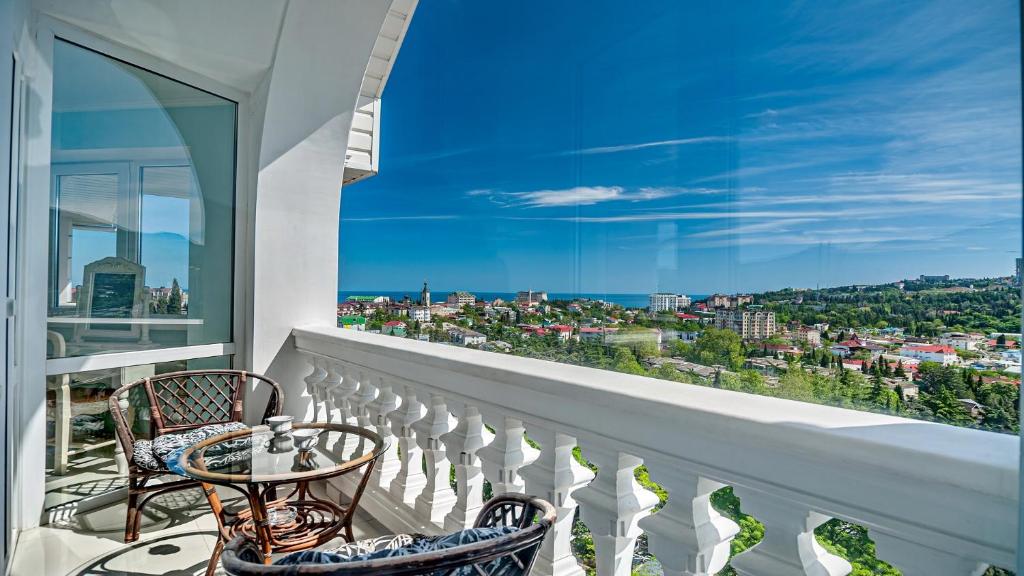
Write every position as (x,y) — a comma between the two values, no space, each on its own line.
(845,145)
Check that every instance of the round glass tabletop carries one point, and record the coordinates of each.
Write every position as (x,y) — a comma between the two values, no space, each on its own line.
(308,451)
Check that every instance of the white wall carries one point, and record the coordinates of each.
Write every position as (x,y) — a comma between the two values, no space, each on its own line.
(310,102)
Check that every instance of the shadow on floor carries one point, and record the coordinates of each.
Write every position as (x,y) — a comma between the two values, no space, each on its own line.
(173,555)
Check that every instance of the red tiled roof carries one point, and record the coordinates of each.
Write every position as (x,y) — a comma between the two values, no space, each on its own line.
(685,316)
(931,348)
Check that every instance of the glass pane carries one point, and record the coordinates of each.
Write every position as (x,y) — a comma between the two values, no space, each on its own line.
(81,452)
(142,209)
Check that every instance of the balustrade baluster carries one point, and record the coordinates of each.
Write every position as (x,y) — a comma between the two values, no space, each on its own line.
(788,547)
(328,387)
(555,475)
(363,397)
(410,479)
(437,498)
(687,536)
(502,458)
(384,404)
(463,442)
(611,506)
(313,381)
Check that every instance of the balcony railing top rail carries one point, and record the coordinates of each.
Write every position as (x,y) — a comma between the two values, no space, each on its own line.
(919,487)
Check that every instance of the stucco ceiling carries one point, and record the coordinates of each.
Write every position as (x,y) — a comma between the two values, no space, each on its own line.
(231,41)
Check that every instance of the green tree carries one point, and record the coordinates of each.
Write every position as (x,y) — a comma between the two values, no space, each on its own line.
(174,301)
(718,347)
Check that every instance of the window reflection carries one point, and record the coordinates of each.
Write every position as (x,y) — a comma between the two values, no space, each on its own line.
(142,209)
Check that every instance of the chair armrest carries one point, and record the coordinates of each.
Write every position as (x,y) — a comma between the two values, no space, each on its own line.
(122,428)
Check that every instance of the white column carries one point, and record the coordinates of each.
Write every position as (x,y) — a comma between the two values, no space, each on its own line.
(363,397)
(313,381)
(502,458)
(437,498)
(688,536)
(385,403)
(344,394)
(410,479)
(788,547)
(914,559)
(611,506)
(468,437)
(554,476)
(328,388)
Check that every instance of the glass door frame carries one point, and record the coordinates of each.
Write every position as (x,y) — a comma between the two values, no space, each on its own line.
(34,257)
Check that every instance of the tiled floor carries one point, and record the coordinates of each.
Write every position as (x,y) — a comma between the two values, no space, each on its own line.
(178,535)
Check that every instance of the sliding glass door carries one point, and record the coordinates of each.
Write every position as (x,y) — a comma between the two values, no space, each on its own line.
(141,254)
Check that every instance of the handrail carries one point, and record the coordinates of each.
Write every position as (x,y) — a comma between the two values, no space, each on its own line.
(939,485)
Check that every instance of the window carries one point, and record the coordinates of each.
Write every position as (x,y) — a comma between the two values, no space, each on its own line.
(82,456)
(142,209)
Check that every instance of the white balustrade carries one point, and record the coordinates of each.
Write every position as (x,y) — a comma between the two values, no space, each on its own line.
(409,480)
(327,388)
(384,404)
(937,500)
(313,381)
(612,506)
(506,454)
(687,536)
(437,498)
(554,476)
(364,396)
(789,547)
(463,442)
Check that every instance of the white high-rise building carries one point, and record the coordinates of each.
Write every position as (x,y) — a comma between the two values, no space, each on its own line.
(667,302)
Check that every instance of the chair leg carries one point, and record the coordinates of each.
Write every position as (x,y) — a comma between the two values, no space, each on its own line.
(132,521)
(211,568)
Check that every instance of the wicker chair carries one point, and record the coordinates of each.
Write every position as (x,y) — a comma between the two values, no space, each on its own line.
(179,402)
(532,516)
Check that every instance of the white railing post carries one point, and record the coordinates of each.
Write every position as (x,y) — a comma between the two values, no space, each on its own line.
(385,403)
(788,547)
(363,397)
(611,506)
(914,559)
(687,536)
(313,381)
(502,458)
(437,498)
(554,476)
(328,388)
(410,479)
(463,442)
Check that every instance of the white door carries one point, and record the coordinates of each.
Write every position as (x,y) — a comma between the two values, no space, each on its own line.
(8,218)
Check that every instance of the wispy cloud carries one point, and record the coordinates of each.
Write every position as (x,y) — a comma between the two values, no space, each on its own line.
(838,212)
(389,218)
(644,145)
(748,171)
(586,195)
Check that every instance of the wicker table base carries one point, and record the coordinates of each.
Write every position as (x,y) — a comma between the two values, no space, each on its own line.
(316,522)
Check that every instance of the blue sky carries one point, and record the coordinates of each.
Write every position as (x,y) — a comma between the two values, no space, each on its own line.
(611,147)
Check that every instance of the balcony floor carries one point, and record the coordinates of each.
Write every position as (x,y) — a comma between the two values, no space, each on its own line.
(178,536)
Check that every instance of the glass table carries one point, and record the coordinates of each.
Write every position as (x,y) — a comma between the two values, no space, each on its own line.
(257,462)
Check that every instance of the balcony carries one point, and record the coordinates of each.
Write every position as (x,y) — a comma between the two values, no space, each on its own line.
(936,499)
(260,247)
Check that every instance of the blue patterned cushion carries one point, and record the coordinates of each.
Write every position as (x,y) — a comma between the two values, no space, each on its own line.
(416,545)
(162,452)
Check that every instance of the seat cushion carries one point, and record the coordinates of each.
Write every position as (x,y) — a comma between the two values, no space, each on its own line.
(142,454)
(396,545)
(162,452)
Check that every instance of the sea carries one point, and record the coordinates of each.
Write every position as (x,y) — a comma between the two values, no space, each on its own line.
(624,300)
